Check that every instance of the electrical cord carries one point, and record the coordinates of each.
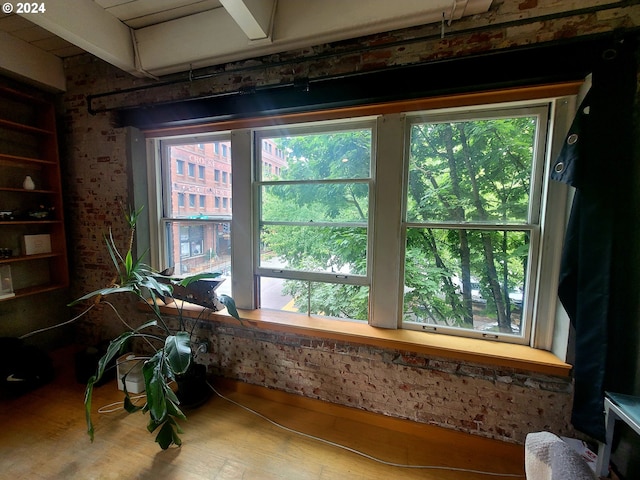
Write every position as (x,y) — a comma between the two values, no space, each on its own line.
(358,452)
(27,335)
(116,406)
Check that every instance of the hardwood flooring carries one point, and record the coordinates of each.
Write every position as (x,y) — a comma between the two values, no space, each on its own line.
(43,436)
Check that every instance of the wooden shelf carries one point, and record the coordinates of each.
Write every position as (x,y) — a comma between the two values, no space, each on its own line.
(27,258)
(24,128)
(19,161)
(19,95)
(24,190)
(25,292)
(29,222)
(28,124)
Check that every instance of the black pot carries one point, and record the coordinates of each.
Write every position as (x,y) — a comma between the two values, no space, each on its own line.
(193,389)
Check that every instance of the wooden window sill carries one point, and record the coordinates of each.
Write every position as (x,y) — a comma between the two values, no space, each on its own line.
(486,352)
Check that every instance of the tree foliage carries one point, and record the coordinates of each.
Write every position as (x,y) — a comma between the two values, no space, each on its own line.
(474,172)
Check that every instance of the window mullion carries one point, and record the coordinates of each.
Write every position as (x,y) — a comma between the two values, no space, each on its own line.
(242,231)
(386,247)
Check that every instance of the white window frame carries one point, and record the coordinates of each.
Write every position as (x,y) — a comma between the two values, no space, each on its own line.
(317,127)
(386,216)
(536,198)
(158,193)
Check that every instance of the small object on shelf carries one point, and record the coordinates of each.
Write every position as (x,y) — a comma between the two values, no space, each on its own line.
(6,284)
(5,253)
(7,215)
(35,244)
(41,213)
(28,183)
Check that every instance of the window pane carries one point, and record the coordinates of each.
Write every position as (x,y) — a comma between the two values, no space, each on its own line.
(315,298)
(471,279)
(210,165)
(343,154)
(194,247)
(327,202)
(471,171)
(339,250)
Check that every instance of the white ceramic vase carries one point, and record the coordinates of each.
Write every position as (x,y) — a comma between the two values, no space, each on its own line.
(28,183)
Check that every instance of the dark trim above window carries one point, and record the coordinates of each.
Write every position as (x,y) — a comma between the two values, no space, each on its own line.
(550,62)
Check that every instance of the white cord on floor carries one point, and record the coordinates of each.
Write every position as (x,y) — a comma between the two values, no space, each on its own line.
(362,454)
(116,406)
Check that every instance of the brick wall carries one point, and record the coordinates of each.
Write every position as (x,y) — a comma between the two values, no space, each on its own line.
(493,402)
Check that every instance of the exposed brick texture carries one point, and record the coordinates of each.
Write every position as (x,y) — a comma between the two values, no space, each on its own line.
(491,402)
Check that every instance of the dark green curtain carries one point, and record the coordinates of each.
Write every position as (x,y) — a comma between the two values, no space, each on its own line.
(597,159)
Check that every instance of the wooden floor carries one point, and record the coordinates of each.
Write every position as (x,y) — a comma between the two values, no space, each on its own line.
(43,436)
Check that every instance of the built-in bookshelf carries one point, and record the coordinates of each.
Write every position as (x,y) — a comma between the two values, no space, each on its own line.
(32,209)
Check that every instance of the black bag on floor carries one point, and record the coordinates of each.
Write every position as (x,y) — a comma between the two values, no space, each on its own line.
(22,367)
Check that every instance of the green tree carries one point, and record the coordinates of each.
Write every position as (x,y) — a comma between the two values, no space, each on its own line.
(469,172)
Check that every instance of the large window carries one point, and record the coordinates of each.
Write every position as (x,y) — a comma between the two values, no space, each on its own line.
(435,220)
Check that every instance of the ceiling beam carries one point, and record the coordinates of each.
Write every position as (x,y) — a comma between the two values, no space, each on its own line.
(254,17)
(214,37)
(25,62)
(97,31)
(242,29)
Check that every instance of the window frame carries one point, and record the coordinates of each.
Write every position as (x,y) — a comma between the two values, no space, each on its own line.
(535,217)
(159,193)
(384,308)
(259,142)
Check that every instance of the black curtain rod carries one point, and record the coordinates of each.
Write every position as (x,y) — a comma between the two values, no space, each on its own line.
(537,64)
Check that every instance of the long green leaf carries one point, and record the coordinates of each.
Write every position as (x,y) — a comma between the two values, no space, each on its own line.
(165,436)
(154,383)
(116,258)
(103,292)
(185,282)
(115,346)
(228,302)
(128,264)
(129,406)
(174,411)
(178,352)
(112,351)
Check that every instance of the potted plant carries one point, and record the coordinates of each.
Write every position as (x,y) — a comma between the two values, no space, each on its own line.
(173,354)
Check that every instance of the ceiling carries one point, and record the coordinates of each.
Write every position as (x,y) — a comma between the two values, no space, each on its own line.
(152,38)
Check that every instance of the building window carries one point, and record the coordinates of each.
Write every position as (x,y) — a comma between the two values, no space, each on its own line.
(180,167)
(192,200)
(224,177)
(201,172)
(192,170)
(191,241)
(432,221)
(203,201)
